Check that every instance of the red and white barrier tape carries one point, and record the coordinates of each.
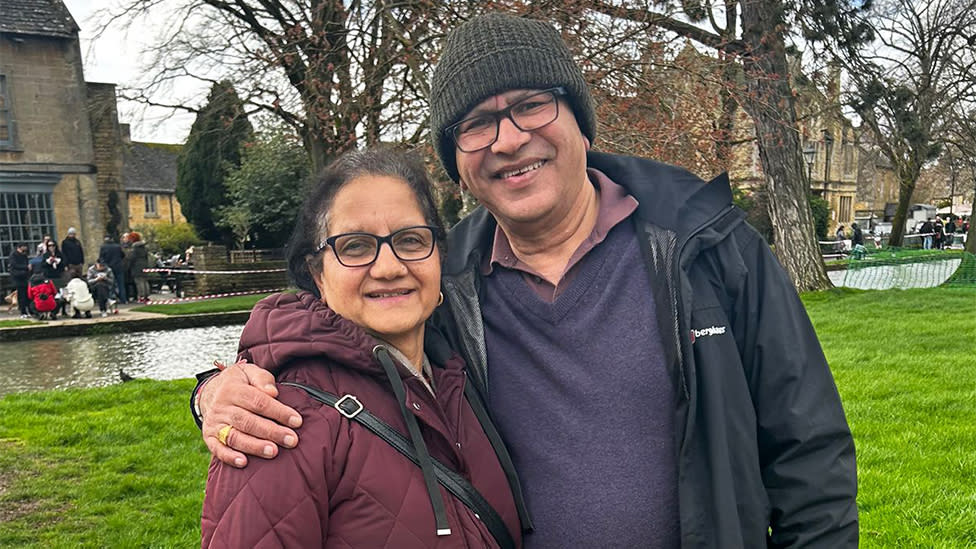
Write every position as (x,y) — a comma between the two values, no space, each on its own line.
(211,296)
(194,271)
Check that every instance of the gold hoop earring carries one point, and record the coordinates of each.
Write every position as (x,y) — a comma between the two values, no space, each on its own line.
(440,299)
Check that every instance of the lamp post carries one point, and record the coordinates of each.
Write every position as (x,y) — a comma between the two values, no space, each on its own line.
(809,155)
(828,144)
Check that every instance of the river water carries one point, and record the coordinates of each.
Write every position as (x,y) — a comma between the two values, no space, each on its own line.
(94,361)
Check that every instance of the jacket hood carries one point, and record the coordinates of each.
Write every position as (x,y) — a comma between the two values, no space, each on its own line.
(286,327)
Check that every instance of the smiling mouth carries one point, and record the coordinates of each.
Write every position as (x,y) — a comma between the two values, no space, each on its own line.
(522,170)
(393,293)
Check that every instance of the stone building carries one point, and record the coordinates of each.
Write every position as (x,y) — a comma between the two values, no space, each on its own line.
(149,176)
(48,175)
(65,161)
(829,140)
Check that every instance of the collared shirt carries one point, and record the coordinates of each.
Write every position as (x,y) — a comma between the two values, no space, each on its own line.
(616,205)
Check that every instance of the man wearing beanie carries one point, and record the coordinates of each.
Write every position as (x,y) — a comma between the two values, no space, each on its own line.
(642,353)
(74,255)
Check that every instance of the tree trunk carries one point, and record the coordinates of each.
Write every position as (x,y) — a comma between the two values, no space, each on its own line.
(318,151)
(769,101)
(908,176)
(971,235)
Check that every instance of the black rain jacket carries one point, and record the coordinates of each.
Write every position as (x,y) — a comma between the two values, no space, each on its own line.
(765,454)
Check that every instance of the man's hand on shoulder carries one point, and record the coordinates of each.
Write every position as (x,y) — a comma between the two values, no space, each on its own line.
(244,397)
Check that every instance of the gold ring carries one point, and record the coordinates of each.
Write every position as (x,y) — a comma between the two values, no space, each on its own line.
(223,433)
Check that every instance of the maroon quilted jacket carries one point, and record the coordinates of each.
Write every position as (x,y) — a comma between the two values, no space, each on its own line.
(343,486)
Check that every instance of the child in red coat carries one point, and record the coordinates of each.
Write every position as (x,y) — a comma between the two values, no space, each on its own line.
(41,292)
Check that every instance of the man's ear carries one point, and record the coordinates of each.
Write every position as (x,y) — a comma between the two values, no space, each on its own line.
(464,186)
(586,142)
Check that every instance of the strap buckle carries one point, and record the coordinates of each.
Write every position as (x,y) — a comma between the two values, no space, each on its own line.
(348,406)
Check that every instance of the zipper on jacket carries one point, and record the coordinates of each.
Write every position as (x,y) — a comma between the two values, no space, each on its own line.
(679,298)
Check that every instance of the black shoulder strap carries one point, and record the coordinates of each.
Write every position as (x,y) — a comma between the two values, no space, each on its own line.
(350,407)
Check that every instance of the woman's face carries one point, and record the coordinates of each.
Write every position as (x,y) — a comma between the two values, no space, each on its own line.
(390,297)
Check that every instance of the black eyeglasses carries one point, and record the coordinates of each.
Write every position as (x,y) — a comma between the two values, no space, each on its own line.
(529,113)
(362,249)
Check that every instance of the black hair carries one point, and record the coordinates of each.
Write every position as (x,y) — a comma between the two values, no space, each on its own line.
(311,228)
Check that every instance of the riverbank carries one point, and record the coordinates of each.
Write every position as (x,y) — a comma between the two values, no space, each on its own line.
(123,322)
(134,317)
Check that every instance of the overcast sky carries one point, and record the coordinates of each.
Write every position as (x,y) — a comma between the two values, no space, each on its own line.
(114,58)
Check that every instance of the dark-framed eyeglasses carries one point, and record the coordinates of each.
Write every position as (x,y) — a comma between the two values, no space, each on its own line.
(361,249)
(527,114)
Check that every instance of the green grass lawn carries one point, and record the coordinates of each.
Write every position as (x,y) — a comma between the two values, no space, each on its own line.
(124,466)
(216,305)
(17,322)
(904,363)
(121,466)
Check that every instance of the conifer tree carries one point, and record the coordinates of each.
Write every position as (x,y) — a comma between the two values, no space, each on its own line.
(212,149)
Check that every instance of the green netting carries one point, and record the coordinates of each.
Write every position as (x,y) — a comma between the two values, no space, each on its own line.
(900,268)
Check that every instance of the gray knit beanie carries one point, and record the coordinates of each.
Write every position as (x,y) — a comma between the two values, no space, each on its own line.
(494,53)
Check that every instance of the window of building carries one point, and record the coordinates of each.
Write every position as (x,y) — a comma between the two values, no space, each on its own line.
(845,208)
(151,207)
(24,217)
(6,118)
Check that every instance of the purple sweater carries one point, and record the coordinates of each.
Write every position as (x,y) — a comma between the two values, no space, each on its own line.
(581,394)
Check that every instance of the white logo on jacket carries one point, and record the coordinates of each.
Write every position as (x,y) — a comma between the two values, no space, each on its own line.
(705,332)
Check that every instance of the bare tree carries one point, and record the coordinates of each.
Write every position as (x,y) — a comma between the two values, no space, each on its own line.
(340,73)
(907,83)
(962,138)
(766,95)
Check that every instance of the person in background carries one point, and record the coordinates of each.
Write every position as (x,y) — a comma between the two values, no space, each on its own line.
(74,255)
(857,236)
(840,236)
(19,267)
(138,260)
(857,241)
(78,296)
(644,355)
(366,256)
(41,292)
(111,254)
(926,230)
(131,293)
(36,264)
(101,282)
(938,239)
(42,247)
(54,265)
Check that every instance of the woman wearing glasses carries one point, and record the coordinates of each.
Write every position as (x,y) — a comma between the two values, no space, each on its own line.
(366,253)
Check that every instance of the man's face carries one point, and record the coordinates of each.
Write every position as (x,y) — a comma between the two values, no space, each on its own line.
(526,178)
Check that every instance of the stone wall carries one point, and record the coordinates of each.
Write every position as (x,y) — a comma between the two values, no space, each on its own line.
(167,210)
(214,258)
(76,204)
(53,140)
(48,100)
(104,120)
